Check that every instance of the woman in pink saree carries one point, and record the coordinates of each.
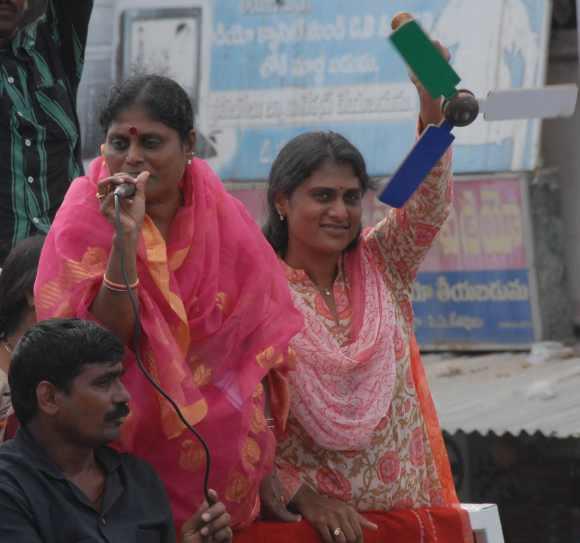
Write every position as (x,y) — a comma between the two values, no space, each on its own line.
(210,295)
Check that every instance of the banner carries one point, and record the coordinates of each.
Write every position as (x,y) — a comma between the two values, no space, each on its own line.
(262,71)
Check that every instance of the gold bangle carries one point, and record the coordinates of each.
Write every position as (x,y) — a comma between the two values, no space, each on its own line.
(270,423)
(119,287)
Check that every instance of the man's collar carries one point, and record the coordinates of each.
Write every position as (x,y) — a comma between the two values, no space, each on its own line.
(109,459)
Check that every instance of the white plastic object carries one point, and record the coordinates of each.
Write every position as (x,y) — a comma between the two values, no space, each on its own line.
(485,523)
(543,103)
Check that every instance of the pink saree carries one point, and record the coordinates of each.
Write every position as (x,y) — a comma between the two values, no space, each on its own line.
(216,316)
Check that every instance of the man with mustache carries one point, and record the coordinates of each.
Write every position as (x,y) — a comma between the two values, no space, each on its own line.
(40,69)
(59,482)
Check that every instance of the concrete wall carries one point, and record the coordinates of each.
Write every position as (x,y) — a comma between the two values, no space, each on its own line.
(561,150)
(551,276)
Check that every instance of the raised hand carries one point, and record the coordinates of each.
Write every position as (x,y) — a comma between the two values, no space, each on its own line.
(430,108)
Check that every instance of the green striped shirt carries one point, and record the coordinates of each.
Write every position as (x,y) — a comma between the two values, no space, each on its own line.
(39,130)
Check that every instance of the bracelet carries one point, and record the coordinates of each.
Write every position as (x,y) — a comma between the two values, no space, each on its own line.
(119,287)
(270,423)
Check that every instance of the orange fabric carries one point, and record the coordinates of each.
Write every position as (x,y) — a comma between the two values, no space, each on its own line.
(279,399)
(432,425)
(429,525)
(435,435)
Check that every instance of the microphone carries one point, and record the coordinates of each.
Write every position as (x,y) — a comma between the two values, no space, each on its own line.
(126,190)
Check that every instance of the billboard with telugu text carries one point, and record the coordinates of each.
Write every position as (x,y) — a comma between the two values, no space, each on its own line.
(476,285)
(262,71)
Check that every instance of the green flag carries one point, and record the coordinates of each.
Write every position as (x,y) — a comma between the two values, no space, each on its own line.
(427,63)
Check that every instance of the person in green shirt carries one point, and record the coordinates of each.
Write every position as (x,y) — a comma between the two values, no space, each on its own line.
(41,64)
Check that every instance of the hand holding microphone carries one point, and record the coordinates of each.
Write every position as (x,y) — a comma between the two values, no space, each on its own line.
(122,184)
(131,192)
(126,190)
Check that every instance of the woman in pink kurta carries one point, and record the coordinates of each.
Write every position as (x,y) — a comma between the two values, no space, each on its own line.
(355,430)
(361,434)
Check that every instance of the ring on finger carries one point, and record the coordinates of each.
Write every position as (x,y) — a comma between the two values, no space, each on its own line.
(336,532)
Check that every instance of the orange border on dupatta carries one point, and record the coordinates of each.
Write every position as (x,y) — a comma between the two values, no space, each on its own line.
(436,438)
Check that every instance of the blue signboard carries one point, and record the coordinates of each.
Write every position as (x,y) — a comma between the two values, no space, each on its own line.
(484,307)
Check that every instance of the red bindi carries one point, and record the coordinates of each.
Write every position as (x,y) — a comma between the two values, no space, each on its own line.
(133,131)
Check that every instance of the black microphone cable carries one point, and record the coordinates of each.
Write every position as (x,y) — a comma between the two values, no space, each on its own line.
(137,349)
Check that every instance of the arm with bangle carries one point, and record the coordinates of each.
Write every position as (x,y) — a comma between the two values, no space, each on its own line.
(112,305)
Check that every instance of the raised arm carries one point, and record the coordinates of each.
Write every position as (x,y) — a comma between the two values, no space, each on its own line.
(402,239)
(71,21)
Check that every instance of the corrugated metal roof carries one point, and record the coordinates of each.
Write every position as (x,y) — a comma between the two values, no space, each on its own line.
(502,393)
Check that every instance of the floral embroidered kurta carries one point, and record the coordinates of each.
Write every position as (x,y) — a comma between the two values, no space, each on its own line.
(398,469)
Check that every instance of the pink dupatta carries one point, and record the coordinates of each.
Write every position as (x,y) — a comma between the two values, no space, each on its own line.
(216,315)
(340,393)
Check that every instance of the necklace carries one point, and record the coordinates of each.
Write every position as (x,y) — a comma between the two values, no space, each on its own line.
(325,291)
(6,346)
(329,291)
(329,301)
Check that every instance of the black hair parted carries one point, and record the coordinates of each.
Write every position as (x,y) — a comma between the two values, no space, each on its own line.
(56,351)
(17,281)
(300,158)
(162,98)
